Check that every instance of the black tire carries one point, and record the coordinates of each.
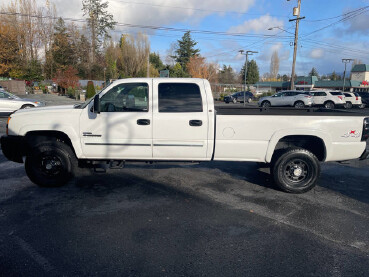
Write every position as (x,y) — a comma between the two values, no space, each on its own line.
(348,105)
(50,164)
(329,105)
(295,170)
(265,104)
(234,101)
(299,105)
(27,106)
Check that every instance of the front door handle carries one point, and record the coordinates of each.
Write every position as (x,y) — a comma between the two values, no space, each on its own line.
(143,121)
(195,122)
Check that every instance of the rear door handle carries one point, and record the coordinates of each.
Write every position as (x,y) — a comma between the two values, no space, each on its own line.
(143,121)
(195,122)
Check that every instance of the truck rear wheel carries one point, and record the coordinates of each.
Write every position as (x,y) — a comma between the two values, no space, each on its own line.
(295,170)
(50,164)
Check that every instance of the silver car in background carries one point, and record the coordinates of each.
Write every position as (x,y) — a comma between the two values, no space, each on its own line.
(10,103)
(292,98)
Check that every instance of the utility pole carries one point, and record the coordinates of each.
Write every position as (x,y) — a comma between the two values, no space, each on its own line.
(296,12)
(247,53)
(345,61)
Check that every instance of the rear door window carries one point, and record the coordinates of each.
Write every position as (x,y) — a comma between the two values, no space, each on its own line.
(347,95)
(179,98)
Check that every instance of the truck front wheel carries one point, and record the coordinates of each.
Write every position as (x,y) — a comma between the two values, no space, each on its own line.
(295,170)
(50,164)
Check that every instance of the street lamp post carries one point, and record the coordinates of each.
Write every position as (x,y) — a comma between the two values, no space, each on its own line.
(345,61)
(247,53)
(297,19)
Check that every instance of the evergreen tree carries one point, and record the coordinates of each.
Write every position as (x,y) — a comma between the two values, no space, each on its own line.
(156,61)
(314,72)
(99,22)
(186,49)
(177,71)
(226,75)
(61,49)
(33,71)
(252,73)
(285,78)
(83,66)
(90,90)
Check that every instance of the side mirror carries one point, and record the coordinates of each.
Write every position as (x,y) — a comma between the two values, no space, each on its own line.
(96,104)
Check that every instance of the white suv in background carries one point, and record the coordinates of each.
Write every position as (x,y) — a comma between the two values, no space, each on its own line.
(353,99)
(297,99)
(330,99)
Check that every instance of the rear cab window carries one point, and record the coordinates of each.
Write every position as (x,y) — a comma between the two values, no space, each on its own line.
(179,98)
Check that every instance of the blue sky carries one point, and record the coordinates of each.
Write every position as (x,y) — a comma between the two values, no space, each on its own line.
(251,18)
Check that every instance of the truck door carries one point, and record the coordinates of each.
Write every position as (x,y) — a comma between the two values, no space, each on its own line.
(180,128)
(123,128)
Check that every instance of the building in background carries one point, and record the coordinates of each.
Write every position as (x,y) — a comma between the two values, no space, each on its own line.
(359,81)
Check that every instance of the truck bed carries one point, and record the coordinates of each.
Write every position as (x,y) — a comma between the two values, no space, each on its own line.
(221,110)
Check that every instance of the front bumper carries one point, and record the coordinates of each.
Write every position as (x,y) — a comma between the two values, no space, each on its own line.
(14,148)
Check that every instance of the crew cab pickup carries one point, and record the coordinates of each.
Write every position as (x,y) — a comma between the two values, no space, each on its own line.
(157,119)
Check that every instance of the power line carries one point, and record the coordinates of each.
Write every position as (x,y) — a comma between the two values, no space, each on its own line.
(350,16)
(246,46)
(334,17)
(151,27)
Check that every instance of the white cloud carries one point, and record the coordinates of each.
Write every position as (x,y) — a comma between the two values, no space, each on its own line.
(317,53)
(156,12)
(259,25)
(358,24)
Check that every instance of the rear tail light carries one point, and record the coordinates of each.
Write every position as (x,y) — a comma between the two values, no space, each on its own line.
(340,97)
(365,135)
(357,98)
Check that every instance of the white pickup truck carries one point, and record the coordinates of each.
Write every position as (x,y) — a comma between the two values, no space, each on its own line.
(151,119)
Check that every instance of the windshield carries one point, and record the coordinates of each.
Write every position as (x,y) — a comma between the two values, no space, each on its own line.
(7,93)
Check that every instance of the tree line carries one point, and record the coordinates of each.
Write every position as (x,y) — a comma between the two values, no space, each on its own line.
(36,45)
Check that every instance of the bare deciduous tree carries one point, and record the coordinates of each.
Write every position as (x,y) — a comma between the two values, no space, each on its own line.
(274,64)
(134,54)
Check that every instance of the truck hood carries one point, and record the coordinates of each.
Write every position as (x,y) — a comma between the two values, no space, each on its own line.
(48,109)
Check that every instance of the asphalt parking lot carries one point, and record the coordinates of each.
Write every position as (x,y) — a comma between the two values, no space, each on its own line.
(209,219)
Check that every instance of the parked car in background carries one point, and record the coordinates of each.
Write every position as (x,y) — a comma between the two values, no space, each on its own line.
(238,97)
(328,99)
(352,100)
(293,98)
(10,102)
(364,97)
